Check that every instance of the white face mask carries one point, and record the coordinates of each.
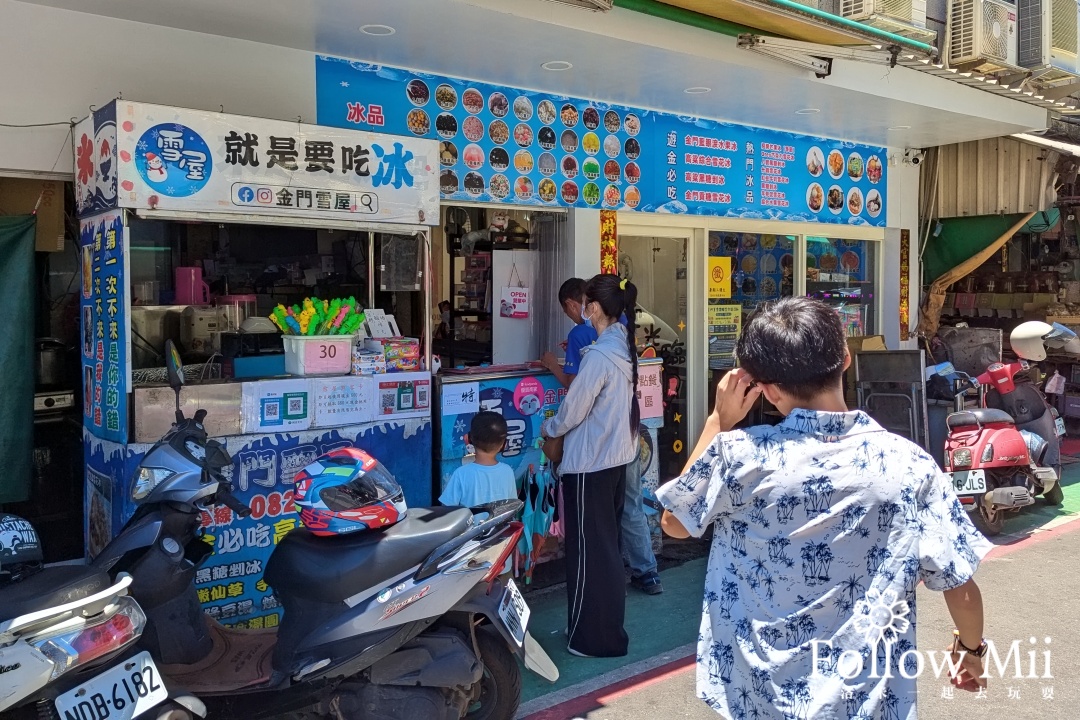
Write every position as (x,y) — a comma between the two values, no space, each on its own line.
(588,320)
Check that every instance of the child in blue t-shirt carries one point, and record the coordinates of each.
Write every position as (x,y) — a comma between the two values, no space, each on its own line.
(485,480)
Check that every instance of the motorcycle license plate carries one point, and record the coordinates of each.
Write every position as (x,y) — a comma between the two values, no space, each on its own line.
(969,482)
(1059,423)
(514,612)
(120,693)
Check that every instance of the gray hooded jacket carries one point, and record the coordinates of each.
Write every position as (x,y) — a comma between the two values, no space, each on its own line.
(595,414)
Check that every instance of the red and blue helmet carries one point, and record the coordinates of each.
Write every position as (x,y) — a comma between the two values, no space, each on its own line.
(347,491)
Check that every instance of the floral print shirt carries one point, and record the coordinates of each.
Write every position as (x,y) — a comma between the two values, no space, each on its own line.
(823,527)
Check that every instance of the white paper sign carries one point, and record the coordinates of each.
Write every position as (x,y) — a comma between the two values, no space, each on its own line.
(179,159)
(460,398)
(378,323)
(343,401)
(514,303)
(276,406)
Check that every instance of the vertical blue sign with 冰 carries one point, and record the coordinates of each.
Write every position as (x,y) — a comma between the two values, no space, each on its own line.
(103,325)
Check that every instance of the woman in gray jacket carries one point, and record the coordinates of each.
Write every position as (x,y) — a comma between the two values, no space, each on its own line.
(599,418)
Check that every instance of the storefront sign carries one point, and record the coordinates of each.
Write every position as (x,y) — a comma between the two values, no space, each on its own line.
(609,243)
(501,144)
(177,159)
(95,162)
(514,303)
(650,390)
(103,321)
(905,279)
(719,278)
(229,582)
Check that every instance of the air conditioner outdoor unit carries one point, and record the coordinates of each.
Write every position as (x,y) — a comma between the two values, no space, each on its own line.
(982,36)
(1048,45)
(830,6)
(903,17)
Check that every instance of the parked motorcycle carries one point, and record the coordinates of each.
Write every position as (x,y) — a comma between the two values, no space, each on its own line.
(67,640)
(1004,454)
(413,621)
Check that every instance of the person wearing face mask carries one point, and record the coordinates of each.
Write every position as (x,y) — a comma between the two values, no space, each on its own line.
(634,536)
(599,418)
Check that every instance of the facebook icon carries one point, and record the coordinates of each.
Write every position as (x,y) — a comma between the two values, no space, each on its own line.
(246,194)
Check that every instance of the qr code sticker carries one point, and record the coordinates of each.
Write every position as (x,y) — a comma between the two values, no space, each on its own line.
(387,402)
(421,396)
(272,410)
(296,406)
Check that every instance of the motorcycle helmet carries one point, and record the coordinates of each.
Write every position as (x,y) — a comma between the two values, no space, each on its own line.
(1027,340)
(347,491)
(20,549)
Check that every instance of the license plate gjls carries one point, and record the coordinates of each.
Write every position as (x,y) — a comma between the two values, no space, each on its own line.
(969,482)
(122,692)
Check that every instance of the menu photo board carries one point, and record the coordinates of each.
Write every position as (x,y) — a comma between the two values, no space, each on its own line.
(496,144)
(507,145)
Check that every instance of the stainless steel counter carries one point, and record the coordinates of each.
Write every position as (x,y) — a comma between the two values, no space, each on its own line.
(154,409)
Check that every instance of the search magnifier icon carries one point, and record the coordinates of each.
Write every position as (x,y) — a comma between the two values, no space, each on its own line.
(368,200)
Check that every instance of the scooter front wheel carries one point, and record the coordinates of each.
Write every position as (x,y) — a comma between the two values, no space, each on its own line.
(500,687)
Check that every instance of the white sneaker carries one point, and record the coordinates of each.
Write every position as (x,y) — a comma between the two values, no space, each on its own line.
(572,651)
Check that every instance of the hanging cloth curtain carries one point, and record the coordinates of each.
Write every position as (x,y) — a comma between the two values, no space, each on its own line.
(17,357)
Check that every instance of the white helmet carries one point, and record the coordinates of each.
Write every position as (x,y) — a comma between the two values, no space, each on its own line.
(1027,340)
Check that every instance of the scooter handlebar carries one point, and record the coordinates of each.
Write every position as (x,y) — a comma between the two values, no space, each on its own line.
(230,501)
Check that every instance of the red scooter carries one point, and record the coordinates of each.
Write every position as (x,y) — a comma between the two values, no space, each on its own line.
(1001,457)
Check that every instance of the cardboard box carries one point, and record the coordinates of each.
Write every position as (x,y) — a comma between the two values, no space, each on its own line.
(20,197)
(402,354)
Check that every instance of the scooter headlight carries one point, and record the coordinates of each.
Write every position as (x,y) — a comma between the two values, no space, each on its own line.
(961,457)
(147,479)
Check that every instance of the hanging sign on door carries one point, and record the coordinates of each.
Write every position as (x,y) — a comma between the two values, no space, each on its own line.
(719,278)
(514,303)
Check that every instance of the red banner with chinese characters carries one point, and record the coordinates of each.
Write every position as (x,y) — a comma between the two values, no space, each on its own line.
(905,275)
(609,243)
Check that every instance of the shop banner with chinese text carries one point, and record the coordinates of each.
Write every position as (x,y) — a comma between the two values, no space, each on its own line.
(103,324)
(190,160)
(502,144)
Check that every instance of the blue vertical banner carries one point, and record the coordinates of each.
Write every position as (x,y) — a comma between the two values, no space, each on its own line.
(104,325)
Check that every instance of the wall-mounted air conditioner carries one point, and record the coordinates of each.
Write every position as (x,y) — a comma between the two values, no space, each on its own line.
(830,6)
(1048,44)
(903,17)
(982,36)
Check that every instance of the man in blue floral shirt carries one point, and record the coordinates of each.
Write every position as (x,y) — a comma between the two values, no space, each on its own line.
(823,527)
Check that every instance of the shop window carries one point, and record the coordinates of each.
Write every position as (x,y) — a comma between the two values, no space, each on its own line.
(843,273)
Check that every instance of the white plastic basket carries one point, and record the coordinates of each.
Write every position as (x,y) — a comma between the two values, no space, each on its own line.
(313,355)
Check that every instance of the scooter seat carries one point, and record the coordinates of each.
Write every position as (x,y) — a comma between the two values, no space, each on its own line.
(330,569)
(979,416)
(52,586)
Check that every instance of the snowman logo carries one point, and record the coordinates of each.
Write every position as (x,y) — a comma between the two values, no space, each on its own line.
(155,168)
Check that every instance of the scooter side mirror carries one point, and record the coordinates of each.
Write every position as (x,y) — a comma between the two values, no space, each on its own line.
(174,369)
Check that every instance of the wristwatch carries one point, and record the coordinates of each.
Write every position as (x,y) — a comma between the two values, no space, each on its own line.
(978,652)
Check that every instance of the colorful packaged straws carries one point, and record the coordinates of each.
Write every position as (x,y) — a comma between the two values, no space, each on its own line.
(319,317)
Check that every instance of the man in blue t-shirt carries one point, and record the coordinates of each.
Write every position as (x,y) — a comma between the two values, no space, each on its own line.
(635,539)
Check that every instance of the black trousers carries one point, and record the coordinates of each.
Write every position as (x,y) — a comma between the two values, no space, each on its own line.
(595,580)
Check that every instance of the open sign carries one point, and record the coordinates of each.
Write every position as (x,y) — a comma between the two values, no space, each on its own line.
(514,303)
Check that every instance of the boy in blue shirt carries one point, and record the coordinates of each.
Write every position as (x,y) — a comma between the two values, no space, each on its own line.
(485,480)
(634,537)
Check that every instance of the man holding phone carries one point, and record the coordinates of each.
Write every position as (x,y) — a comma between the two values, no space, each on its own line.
(823,527)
